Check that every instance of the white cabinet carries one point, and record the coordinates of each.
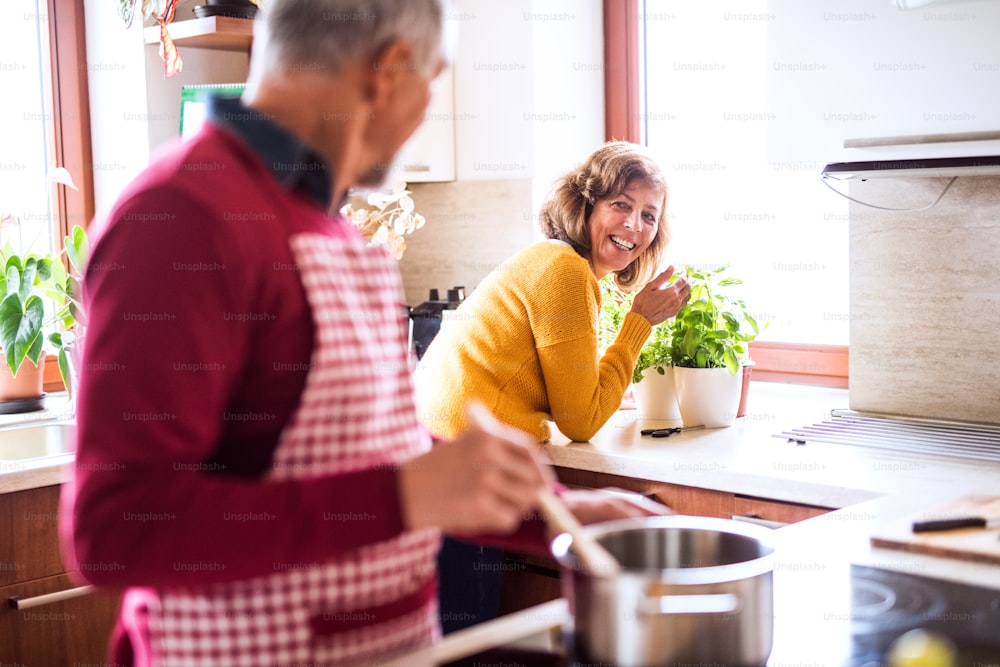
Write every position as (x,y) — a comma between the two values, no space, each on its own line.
(429,155)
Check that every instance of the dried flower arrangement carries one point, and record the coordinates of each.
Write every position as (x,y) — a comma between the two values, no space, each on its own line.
(391,219)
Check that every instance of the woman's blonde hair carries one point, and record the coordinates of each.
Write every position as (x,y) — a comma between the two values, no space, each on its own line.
(606,173)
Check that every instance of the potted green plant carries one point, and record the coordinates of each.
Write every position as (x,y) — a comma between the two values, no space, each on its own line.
(709,337)
(652,377)
(38,297)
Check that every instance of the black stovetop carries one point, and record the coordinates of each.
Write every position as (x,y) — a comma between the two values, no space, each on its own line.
(887,603)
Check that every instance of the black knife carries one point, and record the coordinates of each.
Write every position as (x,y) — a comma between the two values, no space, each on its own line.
(953,524)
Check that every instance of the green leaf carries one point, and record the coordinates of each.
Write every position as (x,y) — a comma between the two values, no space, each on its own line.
(13,279)
(45,265)
(63,358)
(28,278)
(732,363)
(77,249)
(20,329)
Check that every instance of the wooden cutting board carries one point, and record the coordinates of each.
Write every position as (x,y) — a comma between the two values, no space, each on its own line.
(974,544)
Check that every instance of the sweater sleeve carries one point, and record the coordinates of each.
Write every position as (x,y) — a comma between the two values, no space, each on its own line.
(583,396)
(148,503)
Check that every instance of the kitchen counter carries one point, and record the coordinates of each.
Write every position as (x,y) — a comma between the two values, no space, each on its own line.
(30,473)
(748,459)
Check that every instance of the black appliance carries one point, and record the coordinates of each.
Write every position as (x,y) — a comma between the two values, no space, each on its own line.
(887,603)
(426,317)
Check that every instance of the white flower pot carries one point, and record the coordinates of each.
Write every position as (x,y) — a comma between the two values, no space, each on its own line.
(707,396)
(655,397)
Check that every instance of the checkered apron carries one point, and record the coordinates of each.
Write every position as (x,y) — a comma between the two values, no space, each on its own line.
(356,412)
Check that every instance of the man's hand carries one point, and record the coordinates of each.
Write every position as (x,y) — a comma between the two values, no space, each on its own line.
(484,481)
(607,505)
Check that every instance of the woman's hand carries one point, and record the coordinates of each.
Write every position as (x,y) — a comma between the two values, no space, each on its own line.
(660,300)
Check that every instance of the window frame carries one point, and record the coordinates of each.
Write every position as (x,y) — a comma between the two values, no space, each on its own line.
(70,131)
(774,361)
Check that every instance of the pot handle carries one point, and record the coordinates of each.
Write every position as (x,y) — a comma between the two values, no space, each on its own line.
(719,603)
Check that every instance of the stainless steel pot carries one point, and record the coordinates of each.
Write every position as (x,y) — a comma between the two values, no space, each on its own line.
(691,590)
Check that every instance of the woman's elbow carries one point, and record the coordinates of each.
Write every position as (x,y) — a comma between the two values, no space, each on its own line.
(577,432)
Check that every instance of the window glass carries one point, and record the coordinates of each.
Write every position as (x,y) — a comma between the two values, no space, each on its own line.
(706,114)
(25,125)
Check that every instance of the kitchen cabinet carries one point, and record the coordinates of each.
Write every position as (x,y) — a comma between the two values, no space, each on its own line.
(773,512)
(72,626)
(682,499)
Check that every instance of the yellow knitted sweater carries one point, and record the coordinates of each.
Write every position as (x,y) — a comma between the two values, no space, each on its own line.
(525,344)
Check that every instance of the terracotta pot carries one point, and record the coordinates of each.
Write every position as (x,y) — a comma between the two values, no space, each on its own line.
(26,384)
(745,390)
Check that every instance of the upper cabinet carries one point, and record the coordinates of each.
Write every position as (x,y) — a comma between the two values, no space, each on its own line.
(429,155)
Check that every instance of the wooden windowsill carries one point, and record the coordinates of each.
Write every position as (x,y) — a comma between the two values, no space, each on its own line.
(799,363)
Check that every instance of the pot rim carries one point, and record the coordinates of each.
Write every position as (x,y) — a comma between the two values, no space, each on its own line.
(561,545)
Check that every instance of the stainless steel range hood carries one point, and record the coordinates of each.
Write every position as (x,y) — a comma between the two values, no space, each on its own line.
(977,165)
(922,155)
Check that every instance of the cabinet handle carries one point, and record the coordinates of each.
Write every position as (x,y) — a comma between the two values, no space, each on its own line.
(753,518)
(16,602)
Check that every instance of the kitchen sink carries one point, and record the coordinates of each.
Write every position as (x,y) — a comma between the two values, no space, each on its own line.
(23,442)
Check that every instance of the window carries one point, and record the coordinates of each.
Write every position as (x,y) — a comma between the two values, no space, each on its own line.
(45,122)
(27,122)
(691,80)
(705,112)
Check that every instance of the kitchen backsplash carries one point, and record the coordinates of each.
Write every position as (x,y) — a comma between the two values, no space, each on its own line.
(472,227)
(925,299)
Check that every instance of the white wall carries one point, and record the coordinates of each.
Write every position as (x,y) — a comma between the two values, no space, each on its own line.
(118,111)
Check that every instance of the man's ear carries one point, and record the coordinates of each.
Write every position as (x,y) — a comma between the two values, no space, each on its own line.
(389,67)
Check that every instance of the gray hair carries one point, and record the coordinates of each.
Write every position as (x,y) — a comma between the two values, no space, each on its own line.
(328,34)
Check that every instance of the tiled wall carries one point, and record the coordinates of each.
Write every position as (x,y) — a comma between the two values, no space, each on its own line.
(925,299)
(472,227)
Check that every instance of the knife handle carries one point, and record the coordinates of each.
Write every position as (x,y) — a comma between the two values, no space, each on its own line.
(948,524)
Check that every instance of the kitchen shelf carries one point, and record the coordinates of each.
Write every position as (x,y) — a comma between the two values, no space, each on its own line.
(212,32)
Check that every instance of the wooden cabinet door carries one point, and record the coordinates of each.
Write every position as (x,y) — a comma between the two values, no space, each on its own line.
(773,511)
(74,631)
(682,499)
(29,535)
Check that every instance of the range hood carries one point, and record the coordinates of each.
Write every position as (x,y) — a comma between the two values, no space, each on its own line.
(926,155)
(976,165)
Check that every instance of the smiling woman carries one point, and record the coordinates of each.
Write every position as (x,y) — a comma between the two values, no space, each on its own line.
(524,343)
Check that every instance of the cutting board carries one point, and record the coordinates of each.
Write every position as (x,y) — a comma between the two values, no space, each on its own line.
(973,544)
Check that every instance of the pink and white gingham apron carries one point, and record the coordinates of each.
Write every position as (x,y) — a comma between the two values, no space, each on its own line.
(356,412)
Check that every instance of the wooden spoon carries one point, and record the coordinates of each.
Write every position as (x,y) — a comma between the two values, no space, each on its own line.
(592,555)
